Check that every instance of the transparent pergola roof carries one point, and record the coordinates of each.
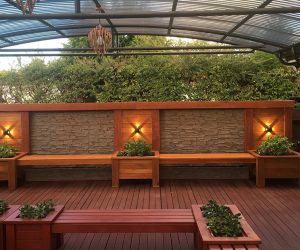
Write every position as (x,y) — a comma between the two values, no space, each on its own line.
(275,33)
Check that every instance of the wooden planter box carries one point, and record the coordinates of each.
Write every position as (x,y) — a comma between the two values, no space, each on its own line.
(207,240)
(8,171)
(9,212)
(28,234)
(135,167)
(275,167)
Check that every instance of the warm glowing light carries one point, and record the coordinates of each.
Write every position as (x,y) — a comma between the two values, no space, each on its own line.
(268,129)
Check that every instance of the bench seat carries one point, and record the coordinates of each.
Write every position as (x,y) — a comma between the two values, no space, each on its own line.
(58,160)
(175,159)
(233,247)
(125,221)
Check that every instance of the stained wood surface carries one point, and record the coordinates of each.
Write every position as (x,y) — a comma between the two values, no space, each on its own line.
(147,105)
(56,160)
(206,158)
(125,220)
(272,212)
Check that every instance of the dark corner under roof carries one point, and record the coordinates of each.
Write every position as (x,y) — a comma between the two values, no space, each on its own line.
(271,25)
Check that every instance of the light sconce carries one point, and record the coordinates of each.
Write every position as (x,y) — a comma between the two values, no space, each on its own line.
(137,130)
(268,129)
(7,132)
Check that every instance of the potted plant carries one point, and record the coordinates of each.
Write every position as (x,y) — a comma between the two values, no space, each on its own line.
(276,159)
(8,171)
(5,211)
(136,161)
(29,227)
(222,225)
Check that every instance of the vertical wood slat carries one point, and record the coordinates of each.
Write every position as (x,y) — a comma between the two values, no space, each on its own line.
(248,129)
(117,129)
(288,119)
(25,130)
(156,130)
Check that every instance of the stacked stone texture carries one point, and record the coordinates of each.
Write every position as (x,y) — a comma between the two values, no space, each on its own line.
(201,131)
(78,132)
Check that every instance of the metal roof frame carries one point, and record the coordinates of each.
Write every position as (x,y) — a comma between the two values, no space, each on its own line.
(240,24)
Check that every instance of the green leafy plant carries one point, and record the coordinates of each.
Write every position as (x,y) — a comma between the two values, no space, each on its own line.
(221,221)
(7,150)
(3,206)
(136,148)
(41,210)
(276,145)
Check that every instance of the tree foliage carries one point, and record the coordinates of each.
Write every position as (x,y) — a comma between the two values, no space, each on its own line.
(149,78)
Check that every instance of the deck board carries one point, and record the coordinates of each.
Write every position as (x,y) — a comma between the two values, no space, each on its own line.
(273,212)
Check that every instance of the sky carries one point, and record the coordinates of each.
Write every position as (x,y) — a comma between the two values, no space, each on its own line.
(7,63)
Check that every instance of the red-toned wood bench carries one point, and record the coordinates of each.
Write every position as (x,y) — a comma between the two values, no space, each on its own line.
(233,247)
(125,221)
(176,159)
(64,160)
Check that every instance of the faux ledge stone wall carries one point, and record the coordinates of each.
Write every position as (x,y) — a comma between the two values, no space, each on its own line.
(203,130)
(72,132)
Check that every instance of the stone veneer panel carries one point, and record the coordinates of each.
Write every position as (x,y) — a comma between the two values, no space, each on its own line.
(72,132)
(203,130)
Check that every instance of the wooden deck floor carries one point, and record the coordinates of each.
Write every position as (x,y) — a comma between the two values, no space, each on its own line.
(273,212)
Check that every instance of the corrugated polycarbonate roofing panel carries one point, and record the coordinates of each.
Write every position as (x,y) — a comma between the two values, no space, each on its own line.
(136,5)
(217,4)
(274,30)
(146,31)
(7,27)
(195,34)
(268,35)
(54,6)
(236,40)
(206,23)
(73,32)
(280,23)
(142,21)
(68,22)
(35,36)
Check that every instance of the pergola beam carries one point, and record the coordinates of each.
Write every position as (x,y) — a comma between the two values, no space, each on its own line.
(133,48)
(77,6)
(133,54)
(119,15)
(174,7)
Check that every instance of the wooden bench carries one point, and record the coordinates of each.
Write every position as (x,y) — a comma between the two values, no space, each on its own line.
(64,160)
(233,247)
(125,221)
(176,159)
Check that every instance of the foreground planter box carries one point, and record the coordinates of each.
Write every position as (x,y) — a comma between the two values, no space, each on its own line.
(207,240)
(8,170)
(9,212)
(28,234)
(135,167)
(276,167)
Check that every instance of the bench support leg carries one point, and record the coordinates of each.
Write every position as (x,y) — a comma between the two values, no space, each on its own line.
(12,175)
(260,173)
(155,173)
(115,173)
